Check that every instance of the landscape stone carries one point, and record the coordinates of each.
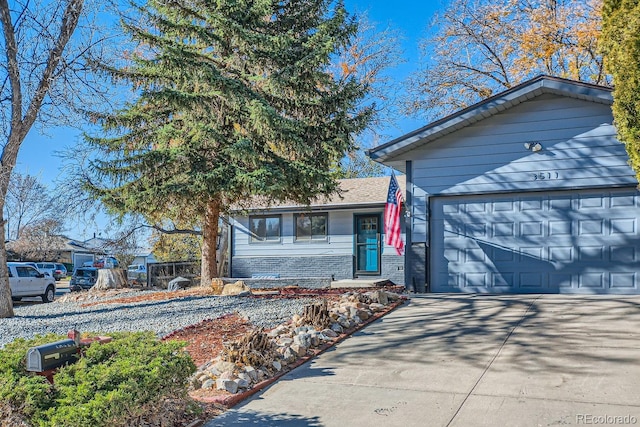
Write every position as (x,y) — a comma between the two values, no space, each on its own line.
(225,384)
(284,341)
(251,371)
(380,297)
(329,333)
(303,340)
(208,384)
(298,349)
(290,354)
(242,383)
(337,328)
(244,376)
(276,365)
(363,314)
(235,288)
(375,307)
(223,366)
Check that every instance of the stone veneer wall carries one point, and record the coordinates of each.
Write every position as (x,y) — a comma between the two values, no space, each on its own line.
(393,268)
(336,266)
(322,266)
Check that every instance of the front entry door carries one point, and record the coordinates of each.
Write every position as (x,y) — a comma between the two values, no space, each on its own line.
(368,244)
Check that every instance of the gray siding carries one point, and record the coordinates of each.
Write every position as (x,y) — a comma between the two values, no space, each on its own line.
(288,258)
(580,150)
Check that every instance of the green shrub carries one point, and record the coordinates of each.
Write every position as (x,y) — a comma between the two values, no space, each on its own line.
(109,385)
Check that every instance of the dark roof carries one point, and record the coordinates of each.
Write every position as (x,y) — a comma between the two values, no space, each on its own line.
(489,107)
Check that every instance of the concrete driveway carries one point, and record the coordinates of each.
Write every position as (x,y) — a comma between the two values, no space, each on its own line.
(469,360)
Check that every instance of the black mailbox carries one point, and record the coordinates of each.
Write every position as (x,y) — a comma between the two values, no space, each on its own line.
(50,356)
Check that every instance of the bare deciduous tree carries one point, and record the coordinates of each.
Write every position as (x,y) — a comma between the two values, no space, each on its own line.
(43,72)
(40,241)
(482,47)
(28,202)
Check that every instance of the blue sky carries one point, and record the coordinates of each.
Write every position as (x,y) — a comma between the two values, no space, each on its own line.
(39,154)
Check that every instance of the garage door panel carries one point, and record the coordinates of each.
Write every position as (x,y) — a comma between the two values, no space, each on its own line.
(531,228)
(590,202)
(559,228)
(591,253)
(624,201)
(622,254)
(560,280)
(591,227)
(583,242)
(561,253)
(623,280)
(504,279)
(623,226)
(591,280)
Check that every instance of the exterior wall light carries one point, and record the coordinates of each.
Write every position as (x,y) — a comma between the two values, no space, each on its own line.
(533,146)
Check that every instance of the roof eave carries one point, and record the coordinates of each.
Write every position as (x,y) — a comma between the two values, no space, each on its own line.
(327,207)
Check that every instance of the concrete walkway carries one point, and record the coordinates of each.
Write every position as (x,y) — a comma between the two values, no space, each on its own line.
(465,360)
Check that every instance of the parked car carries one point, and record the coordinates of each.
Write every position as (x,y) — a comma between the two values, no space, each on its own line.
(56,270)
(62,271)
(108,262)
(137,274)
(26,281)
(35,265)
(83,278)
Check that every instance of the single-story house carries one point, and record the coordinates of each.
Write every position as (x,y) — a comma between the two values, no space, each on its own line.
(528,191)
(143,256)
(340,237)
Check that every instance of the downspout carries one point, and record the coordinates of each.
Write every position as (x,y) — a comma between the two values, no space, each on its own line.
(409,279)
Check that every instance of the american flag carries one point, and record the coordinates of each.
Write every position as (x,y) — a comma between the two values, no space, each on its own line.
(392,216)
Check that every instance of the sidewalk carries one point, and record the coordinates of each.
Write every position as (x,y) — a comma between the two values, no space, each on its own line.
(469,360)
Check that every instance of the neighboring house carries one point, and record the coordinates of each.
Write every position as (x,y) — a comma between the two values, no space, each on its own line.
(82,253)
(341,237)
(71,253)
(144,257)
(527,191)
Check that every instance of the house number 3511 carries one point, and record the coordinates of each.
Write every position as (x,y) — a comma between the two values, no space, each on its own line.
(545,175)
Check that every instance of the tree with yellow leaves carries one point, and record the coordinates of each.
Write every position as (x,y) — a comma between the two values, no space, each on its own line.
(481,47)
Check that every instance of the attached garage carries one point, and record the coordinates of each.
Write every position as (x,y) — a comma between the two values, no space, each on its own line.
(526,192)
(568,241)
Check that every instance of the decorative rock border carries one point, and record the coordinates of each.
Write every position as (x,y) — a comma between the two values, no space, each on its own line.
(388,302)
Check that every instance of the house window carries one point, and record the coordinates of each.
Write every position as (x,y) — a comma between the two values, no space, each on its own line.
(311,227)
(265,228)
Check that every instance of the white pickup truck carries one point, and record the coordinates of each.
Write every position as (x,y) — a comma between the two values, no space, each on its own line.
(26,281)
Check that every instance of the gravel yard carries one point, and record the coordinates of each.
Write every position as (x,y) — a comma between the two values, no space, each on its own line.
(159,316)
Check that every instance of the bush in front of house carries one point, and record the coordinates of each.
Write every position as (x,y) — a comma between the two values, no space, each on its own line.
(110,385)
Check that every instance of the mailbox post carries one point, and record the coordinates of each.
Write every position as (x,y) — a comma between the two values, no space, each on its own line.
(45,359)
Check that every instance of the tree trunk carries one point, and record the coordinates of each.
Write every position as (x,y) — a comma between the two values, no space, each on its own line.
(6,304)
(222,252)
(110,278)
(209,267)
(7,162)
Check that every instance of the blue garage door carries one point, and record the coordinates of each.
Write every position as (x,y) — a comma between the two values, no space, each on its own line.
(558,242)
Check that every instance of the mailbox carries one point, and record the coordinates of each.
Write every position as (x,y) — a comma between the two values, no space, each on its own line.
(50,356)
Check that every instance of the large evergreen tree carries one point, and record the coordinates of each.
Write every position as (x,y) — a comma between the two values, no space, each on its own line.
(620,44)
(236,99)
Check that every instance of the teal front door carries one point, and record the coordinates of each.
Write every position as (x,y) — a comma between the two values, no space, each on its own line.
(367,245)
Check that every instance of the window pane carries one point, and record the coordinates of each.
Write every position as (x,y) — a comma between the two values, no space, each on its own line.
(303,227)
(264,228)
(273,228)
(319,227)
